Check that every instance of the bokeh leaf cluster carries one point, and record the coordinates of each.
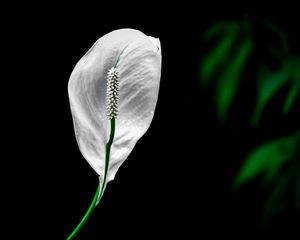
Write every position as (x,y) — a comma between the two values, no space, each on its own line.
(241,43)
(277,162)
(234,48)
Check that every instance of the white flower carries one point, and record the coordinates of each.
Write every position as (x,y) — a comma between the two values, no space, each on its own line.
(135,59)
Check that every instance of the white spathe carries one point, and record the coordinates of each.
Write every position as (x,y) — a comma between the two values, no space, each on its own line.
(137,58)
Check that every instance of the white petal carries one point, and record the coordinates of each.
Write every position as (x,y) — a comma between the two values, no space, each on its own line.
(138,60)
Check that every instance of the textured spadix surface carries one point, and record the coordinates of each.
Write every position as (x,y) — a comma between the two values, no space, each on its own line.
(138,61)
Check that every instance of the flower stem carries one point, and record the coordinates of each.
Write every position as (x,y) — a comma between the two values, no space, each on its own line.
(107,150)
(86,216)
(100,189)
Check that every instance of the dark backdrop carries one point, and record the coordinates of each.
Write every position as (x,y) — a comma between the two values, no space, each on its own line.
(177,180)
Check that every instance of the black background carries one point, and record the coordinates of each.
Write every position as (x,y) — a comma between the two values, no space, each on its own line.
(176,182)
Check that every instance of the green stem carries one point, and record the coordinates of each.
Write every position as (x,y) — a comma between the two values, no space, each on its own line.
(86,216)
(99,191)
(108,147)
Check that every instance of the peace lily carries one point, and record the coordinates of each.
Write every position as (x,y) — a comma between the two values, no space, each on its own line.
(113,91)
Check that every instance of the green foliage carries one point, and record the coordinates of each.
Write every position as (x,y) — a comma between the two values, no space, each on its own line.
(265,48)
(218,55)
(226,61)
(278,163)
(217,29)
(224,57)
(267,160)
(228,83)
(294,87)
(276,202)
(283,46)
(268,84)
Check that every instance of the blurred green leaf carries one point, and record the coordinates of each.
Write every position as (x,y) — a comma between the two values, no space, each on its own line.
(218,55)
(281,35)
(295,176)
(294,88)
(268,84)
(217,29)
(285,193)
(276,202)
(291,98)
(228,82)
(296,70)
(267,160)
(224,63)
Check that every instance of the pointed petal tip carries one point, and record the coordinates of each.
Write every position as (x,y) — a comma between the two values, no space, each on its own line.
(156,42)
(130,31)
